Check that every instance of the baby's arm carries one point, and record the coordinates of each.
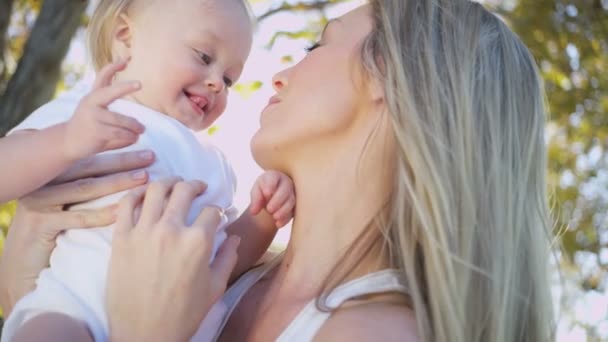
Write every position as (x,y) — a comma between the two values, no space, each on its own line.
(50,327)
(272,206)
(36,157)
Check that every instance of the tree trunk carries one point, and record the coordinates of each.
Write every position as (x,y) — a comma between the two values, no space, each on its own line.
(6,8)
(39,69)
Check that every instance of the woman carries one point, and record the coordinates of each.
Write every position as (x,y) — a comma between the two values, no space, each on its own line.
(419,164)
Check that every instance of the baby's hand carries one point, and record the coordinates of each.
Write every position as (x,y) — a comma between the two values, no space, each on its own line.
(93,128)
(274,191)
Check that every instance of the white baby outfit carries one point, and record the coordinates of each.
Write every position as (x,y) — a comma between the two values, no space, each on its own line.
(74,284)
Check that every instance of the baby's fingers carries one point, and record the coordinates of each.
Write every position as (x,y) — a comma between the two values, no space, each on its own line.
(280,196)
(269,182)
(285,213)
(257,200)
(104,96)
(106,74)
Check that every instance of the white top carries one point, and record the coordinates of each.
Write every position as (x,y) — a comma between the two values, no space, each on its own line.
(75,282)
(309,321)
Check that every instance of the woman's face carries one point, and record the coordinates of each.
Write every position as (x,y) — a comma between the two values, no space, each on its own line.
(318,102)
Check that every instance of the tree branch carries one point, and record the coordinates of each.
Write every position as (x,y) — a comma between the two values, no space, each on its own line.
(298,7)
(39,70)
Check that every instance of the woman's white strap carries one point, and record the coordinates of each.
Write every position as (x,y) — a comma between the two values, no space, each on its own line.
(310,320)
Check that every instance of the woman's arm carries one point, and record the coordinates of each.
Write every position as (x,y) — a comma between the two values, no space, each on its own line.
(32,233)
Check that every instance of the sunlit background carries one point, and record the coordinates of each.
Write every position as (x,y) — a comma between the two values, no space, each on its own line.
(569,40)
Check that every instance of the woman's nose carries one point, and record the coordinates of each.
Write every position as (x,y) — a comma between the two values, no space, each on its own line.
(279,80)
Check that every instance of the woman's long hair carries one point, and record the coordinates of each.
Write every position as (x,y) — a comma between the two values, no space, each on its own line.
(468,219)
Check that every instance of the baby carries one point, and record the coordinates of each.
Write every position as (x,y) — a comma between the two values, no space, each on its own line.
(184,54)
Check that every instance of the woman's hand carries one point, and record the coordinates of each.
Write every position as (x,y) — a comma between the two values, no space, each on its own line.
(160,283)
(40,216)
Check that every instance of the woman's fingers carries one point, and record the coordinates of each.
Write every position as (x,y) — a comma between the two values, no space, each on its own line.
(85,189)
(122,121)
(121,137)
(127,210)
(209,219)
(224,262)
(181,199)
(79,219)
(155,200)
(203,231)
(105,164)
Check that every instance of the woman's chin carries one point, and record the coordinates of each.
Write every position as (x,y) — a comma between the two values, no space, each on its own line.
(257,149)
(264,152)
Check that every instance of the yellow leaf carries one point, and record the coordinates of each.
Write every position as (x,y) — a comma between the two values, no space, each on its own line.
(247,89)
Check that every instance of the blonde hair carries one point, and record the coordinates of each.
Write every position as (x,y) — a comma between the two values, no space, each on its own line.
(104,20)
(468,219)
(101,27)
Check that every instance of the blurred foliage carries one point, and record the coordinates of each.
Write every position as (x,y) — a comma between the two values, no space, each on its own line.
(570,42)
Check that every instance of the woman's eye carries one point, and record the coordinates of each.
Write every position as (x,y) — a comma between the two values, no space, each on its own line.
(228,82)
(312,47)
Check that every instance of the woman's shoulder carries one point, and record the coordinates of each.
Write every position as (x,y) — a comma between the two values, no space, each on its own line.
(372,321)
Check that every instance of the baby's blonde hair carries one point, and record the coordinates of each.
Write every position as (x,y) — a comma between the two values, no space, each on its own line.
(102,24)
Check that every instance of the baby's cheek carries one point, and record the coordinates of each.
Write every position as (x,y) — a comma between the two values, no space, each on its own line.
(218,109)
(220,105)
(222,99)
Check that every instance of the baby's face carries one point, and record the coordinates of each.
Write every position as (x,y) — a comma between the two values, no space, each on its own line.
(187,54)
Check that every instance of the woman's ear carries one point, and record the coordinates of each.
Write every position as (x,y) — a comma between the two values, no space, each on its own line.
(376,90)
(122,37)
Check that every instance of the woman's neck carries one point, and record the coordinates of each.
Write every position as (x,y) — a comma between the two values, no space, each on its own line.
(334,207)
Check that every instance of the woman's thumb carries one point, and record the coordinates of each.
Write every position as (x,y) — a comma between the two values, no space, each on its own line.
(225,261)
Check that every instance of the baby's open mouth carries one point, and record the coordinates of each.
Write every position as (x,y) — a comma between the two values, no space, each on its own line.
(198,101)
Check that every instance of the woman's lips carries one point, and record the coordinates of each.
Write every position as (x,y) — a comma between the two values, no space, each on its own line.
(273,100)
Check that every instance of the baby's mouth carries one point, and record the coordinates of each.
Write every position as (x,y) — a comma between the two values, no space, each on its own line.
(200,102)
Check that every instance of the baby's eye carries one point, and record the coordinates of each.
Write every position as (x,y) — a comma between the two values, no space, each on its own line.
(228,82)
(204,57)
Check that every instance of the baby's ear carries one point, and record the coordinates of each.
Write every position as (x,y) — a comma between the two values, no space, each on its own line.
(122,36)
